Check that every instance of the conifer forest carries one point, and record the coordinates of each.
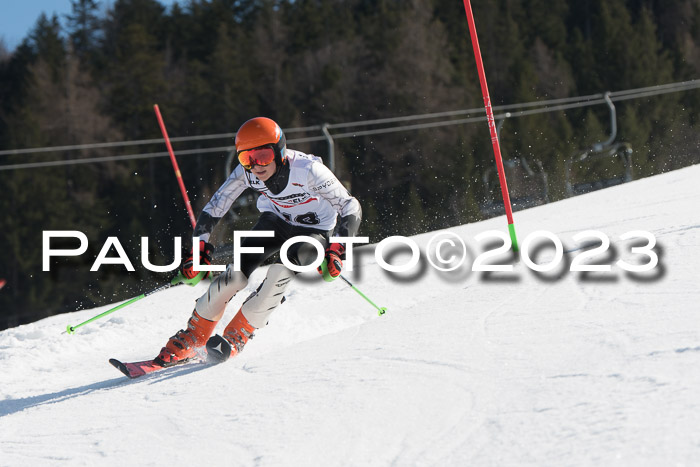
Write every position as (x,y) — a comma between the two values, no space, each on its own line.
(93,77)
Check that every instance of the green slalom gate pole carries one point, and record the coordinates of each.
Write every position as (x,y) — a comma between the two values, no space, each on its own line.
(380,311)
(176,281)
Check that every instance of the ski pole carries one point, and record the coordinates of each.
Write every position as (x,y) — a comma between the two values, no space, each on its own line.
(380,311)
(177,280)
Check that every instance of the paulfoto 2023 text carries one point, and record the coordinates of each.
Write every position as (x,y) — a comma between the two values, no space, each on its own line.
(439,244)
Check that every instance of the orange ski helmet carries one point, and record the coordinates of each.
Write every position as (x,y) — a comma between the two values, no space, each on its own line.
(262,132)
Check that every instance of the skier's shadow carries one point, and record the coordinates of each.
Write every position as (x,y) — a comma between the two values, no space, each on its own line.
(11,406)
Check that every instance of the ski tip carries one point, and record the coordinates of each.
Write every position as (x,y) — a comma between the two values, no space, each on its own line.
(115,363)
(120,366)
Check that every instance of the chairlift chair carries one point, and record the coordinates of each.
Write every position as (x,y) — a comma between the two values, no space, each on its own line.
(585,160)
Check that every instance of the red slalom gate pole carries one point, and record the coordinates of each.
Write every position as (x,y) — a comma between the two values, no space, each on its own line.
(178,174)
(492,123)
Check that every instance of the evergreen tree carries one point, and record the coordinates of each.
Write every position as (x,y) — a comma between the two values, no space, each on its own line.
(48,43)
(84,27)
(136,79)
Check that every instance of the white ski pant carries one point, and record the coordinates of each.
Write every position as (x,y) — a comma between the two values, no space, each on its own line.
(258,306)
(261,303)
(212,304)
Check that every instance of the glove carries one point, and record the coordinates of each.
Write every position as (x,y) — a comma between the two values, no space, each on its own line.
(332,264)
(187,270)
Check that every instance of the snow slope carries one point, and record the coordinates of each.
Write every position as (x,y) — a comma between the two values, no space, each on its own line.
(508,369)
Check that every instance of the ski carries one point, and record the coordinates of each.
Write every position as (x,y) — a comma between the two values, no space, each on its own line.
(137,369)
(218,351)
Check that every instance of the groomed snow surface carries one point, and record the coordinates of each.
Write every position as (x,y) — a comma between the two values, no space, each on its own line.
(465,368)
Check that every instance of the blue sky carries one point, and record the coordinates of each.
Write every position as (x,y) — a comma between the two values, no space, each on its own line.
(17,17)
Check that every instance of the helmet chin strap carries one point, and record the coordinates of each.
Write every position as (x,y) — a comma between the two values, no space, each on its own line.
(278,181)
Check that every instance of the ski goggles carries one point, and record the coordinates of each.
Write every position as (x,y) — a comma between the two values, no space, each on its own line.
(259,156)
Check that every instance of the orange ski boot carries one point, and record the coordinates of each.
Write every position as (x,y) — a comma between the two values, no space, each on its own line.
(238,332)
(181,347)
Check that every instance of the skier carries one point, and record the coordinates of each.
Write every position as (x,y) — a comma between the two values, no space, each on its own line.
(298,196)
